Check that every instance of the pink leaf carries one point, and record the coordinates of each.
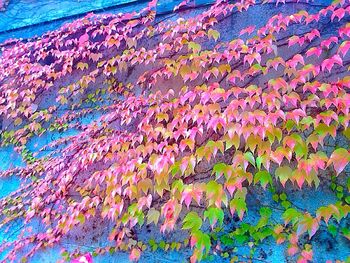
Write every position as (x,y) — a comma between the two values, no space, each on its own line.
(87,258)
(135,254)
(326,43)
(314,51)
(339,158)
(247,30)
(344,48)
(329,63)
(295,39)
(84,38)
(339,13)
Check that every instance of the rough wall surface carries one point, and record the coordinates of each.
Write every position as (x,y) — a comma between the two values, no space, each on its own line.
(325,246)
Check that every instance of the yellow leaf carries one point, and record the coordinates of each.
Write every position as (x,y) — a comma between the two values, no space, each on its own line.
(184,70)
(214,34)
(224,68)
(145,185)
(153,216)
(18,121)
(82,66)
(194,46)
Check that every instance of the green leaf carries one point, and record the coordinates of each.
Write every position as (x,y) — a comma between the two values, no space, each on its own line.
(347,199)
(151,242)
(307,121)
(332,229)
(178,186)
(173,245)
(340,195)
(275,197)
(322,129)
(258,161)
(262,234)
(286,204)
(346,133)
(81,218)
(301,148)
(214,34)
(283,173)
(214,215)
(278,133)
(192,221)
(263,177)
(250,158)
(154,247)
(241,235)
(202,241)
(283,196)
(238,205)
(162,244)
(153,216)
(219,169)
(291,215)
(346,232)
(265,212)
(111,250)
(333,186)
(194,46)
(175,168)
(340,188)
(227,241)
(289,125)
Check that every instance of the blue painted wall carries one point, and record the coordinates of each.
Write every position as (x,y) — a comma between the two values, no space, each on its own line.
(57,15)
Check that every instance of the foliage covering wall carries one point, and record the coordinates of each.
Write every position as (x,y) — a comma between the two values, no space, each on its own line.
(195,126)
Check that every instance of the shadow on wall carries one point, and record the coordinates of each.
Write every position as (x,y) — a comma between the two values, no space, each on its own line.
(27,19)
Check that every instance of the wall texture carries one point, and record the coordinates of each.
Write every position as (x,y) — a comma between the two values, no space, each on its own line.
(325,246)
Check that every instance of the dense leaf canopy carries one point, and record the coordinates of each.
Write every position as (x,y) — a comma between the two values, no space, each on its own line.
(171,123)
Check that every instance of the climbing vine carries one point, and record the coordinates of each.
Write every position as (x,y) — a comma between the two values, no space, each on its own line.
(3,4)
(171,123)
